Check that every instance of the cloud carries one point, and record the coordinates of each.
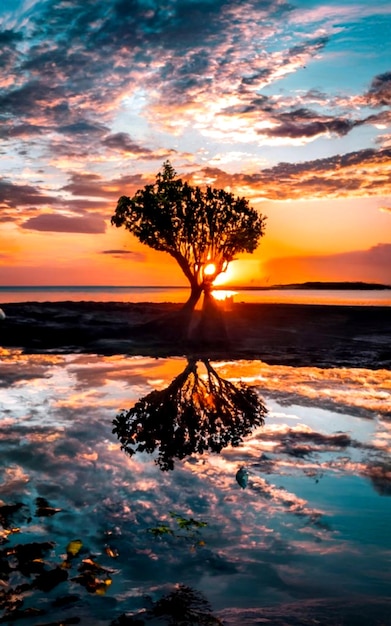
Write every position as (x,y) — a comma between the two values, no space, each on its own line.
(13,195)
(124,143)
(362,173)
(379,93)
(15,200)
(232,80)
(81,61)
(135,256)
(117,252)
(133,45)
(385,209)
(23,131)
(82,128)
(307,123)
(50,222)
(94,185)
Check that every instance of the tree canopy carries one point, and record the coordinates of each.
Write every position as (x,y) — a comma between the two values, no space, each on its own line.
(199,228)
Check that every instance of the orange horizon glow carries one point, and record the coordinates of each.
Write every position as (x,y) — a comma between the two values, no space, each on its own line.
(115,257)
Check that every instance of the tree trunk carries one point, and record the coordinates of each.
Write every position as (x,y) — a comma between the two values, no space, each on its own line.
(211,329)
(186,313)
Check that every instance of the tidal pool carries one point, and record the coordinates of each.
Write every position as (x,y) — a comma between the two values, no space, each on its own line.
(306,538)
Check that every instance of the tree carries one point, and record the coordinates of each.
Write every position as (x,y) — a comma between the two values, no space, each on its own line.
(203,230)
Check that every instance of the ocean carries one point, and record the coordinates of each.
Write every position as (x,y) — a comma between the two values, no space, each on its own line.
(364,297)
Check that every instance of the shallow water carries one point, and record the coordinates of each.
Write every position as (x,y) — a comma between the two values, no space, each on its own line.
(310,529)
(356,297)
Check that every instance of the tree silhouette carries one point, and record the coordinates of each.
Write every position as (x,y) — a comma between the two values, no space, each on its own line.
(194,414)
(203,230)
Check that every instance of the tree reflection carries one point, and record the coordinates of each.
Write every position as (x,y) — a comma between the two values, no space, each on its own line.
(184,606)
(195,413)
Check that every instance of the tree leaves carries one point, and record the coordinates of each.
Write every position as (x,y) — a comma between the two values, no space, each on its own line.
(194,226)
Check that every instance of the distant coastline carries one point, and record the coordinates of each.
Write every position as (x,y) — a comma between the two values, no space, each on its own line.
(315,285)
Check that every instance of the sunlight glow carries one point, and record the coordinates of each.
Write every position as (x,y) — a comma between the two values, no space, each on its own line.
(210,269)
(223,294)
(237,272)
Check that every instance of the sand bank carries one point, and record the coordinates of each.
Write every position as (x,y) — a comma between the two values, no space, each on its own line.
(286,334)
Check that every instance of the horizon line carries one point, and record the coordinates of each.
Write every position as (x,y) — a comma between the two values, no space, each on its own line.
(227,287)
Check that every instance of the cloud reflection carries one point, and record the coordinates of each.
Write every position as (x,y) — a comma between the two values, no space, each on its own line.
(311,471)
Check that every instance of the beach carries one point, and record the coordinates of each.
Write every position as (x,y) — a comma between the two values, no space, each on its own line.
(281,334)
(236,500)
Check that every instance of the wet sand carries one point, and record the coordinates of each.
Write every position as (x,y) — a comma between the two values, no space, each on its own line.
(285,334)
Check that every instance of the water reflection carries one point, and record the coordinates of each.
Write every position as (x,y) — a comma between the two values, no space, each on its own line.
(307,536)
(197,412)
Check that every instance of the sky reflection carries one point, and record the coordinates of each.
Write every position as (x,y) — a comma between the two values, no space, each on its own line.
(310,526)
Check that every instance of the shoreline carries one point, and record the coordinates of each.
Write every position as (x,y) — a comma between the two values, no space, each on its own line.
(316,335)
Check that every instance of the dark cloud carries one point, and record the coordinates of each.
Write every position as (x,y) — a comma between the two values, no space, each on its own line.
(51,222)
(311,46)
(22,131)
(8,49)
(271,67)
(124,143)
(84,205)
(13,195)
(9,37)
(256,77)
(379,93)
(82,128)
(93,185)
(361,158)
(84,184)
(317,126)
(118,254)
(23,100)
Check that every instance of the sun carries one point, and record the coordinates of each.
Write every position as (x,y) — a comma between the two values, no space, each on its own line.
(209,269)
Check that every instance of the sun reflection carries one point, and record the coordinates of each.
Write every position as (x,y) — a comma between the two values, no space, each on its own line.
(223,294)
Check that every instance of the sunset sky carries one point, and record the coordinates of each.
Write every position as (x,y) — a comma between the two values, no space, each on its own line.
(284,102)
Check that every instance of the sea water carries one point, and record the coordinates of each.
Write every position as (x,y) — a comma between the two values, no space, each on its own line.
(381,297)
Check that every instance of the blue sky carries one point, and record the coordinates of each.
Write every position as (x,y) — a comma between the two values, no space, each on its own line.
(286,103)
